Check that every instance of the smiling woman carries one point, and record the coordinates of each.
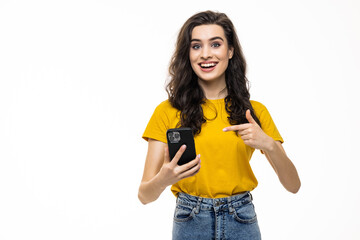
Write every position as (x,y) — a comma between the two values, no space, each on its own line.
(209,57)
(208,92)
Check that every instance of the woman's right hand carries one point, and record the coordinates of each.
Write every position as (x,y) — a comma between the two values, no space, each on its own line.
(170,173)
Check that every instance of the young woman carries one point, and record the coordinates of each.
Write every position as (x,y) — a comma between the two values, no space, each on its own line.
(208,92)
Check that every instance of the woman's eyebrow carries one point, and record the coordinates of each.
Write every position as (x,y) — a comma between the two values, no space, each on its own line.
(211,39)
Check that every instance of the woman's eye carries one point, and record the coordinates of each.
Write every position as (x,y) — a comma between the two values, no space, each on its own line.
(196,46)
(216,44)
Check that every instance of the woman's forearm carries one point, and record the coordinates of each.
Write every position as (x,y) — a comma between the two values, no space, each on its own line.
(150,190)
(283,166)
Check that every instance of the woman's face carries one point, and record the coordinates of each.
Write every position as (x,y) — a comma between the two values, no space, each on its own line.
(209,52)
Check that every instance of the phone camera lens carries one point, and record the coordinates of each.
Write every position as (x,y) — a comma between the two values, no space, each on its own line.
(174,137)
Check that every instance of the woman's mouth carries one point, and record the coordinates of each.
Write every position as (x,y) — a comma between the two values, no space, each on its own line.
(207,66)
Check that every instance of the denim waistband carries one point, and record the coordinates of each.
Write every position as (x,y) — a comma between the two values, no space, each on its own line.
(211,203)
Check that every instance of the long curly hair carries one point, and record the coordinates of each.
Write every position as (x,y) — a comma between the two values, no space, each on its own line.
(183,89)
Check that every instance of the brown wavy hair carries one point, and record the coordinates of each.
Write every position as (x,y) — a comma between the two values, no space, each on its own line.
(183,89)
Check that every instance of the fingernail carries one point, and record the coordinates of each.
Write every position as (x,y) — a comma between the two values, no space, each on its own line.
(224,129)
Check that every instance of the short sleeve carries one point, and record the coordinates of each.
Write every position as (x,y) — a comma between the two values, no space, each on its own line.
(267,123)
(158,124)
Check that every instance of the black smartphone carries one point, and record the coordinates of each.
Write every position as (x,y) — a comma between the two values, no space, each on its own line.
(176,137)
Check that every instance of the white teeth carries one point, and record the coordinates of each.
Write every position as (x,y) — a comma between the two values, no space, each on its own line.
(208,64)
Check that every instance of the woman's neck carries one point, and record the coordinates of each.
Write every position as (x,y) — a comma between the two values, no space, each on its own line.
(214,90)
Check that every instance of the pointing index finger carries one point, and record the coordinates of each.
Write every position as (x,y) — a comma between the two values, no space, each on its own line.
(239,127)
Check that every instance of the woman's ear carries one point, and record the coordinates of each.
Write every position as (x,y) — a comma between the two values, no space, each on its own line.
(231,52)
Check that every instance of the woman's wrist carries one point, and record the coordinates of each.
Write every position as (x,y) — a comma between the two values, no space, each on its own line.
(159,183)
(270,145)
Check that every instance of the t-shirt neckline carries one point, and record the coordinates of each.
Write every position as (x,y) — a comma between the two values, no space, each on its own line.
(220,100)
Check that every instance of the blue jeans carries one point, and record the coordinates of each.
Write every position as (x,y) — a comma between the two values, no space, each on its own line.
(197,218)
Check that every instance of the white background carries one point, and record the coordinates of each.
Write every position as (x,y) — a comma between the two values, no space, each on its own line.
(79,81)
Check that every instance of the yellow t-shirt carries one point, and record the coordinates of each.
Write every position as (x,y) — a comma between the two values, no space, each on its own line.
(225,168)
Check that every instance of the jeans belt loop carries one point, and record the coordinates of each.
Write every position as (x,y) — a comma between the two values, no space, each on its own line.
(198,205)
(251,197)
(231,208)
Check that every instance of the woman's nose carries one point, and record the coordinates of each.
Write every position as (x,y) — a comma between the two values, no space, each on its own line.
(206,52)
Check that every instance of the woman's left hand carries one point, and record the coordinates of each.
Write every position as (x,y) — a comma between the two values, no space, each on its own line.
(251,133)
